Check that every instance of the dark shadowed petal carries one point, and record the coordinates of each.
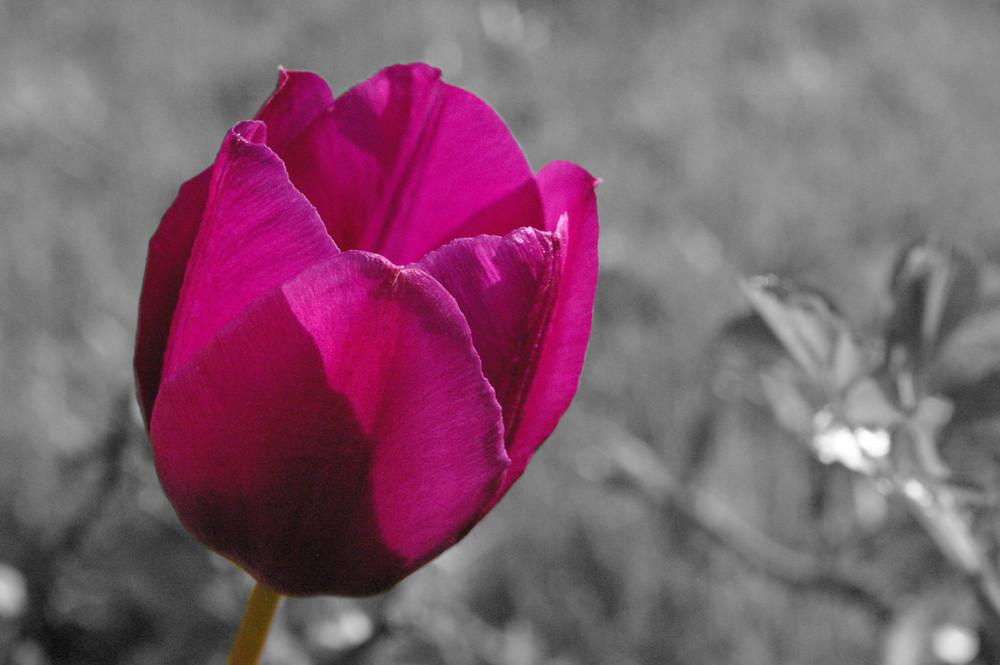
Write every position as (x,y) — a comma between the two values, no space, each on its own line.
(506,288)
(337,434)
(169,249)
(571,212)
(298,99)
(257,232)
(401,161)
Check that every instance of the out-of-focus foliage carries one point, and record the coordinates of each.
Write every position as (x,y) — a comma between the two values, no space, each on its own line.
(883,407)
(669,519)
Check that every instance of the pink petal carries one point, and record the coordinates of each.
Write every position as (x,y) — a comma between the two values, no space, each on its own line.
(169,249)
(528,298)
(258,231)
(519,207)
(337,434)
(570,211)
(506,288)
(401,161)
(298,99)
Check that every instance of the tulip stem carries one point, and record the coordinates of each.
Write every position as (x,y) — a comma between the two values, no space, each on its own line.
(254,625)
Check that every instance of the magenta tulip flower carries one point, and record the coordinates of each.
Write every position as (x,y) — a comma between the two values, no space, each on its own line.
(357,326)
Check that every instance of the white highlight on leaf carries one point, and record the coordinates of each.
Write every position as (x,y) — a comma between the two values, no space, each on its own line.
(918,493)
(13,592)
(954,644)
(349,628)
(857,448)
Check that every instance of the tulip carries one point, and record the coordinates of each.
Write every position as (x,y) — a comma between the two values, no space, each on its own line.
(357,326)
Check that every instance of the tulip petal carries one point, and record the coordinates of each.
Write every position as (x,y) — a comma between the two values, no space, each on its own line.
(337,434)
(258,231)
(505,288)
(571,212)
(169,249)
(298,99)
(528,298)
(401,161)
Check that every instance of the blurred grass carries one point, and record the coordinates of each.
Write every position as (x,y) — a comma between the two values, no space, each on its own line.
(803,137)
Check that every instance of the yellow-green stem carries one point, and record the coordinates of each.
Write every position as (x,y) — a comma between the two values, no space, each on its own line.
(254,625)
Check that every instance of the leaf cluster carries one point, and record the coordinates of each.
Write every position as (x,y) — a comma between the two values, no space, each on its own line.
(913,406)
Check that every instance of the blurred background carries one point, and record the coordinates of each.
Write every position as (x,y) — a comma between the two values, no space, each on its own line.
(668,519)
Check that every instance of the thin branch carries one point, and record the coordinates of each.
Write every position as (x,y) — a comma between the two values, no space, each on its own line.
(635,461)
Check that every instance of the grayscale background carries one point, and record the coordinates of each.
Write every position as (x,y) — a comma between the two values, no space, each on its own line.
(809,138)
